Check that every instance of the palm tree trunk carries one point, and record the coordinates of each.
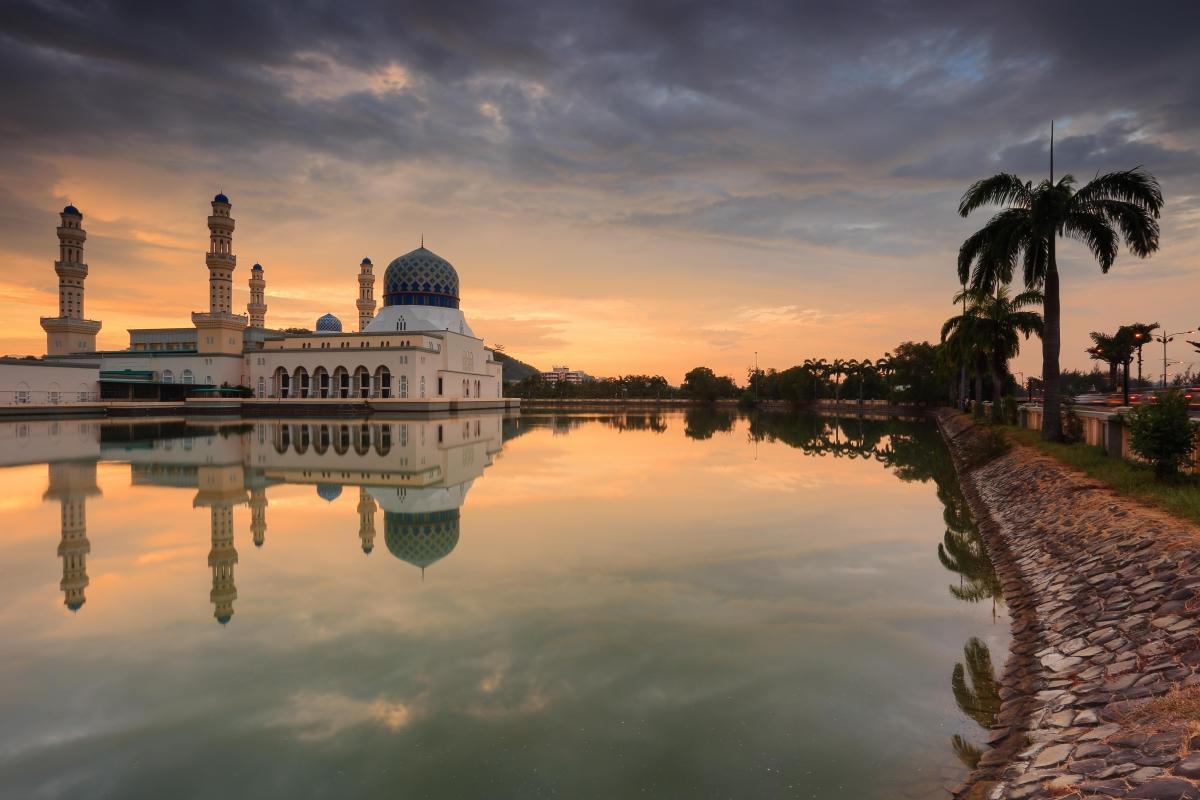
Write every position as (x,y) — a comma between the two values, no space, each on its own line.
(997,388)
(1051,345)
(963,387)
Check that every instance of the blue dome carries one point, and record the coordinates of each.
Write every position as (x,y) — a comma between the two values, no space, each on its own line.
(329,324)
(421,539)
(367,261)
(220,198)
(256,268)
(420,278)
(329,491)
(75,605)
(72,210)
(224,619)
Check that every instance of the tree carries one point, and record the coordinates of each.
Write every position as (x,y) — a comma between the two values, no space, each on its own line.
(995,323)
(837,369)
(1104,348)
(1142,333)
(1162,433)
(1110,208)
(704,385)
(1117,350)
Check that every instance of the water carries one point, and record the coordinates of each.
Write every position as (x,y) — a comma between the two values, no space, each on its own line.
(678,605)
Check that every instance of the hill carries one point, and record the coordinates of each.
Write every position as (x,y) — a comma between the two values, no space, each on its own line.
(515,369)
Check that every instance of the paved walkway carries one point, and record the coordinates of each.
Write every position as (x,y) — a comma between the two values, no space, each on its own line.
(1100,694)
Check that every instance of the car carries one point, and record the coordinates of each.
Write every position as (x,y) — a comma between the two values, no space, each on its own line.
(1092,399)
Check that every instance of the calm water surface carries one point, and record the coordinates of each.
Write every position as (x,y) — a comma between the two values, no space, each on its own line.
(679,605)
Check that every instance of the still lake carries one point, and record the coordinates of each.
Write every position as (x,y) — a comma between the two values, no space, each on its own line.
(688,604)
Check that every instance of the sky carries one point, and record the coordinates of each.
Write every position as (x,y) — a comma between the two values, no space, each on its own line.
(623,187)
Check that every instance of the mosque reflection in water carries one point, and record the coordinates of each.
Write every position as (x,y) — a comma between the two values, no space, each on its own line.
(418,472)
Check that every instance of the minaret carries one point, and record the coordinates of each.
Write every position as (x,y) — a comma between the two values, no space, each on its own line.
(366,519)
(257,307)
(71,483)
(258,515)
(219,330)
(69,332)
(366,294)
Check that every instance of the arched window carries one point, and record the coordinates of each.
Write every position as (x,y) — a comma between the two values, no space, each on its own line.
(188,376)
(168,376)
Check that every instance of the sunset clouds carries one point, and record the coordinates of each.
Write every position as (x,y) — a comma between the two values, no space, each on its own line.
(633,187)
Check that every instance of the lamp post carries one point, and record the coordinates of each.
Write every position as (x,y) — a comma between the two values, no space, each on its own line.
(1168,337)
(1138,336)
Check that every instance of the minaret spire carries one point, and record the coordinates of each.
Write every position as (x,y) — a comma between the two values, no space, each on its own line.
(366,294)
(219,330)
(257,307)
(69,332)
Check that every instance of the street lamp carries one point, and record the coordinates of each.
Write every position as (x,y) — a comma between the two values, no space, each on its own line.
(1168,337)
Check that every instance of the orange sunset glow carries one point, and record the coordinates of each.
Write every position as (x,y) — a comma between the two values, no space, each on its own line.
(617,207)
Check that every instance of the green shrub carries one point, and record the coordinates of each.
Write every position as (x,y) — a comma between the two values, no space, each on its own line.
(1162,433)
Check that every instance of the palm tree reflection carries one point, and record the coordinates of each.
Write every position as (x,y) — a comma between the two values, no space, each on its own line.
(977,694)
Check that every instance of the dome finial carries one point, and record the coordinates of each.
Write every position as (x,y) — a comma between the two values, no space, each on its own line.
(422,239)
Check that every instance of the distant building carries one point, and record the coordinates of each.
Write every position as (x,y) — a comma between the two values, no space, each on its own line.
(563,375)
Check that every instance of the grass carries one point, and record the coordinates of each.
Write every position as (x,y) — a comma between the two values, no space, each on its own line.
(1180,497)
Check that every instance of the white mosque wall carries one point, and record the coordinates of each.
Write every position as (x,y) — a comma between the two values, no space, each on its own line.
(213,368)
(26,381)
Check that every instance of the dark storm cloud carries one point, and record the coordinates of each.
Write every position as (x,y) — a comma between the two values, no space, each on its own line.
(629,101)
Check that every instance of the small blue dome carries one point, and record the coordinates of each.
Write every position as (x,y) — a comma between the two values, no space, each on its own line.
(224,619)
(75,605)
(367,548)
(220,198)
(329,491)
(367,261)
(256,268)
(72,210)
(329,324)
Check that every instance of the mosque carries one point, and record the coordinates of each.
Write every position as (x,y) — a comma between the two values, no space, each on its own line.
(416,353)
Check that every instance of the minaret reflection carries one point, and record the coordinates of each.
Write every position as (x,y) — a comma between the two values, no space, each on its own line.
(258,515)
(220,489)
(71,483)
(366,520)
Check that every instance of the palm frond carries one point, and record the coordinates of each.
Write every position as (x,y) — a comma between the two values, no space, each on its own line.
(1095,233)
(1002,189)
(1139,227)
(1136,186)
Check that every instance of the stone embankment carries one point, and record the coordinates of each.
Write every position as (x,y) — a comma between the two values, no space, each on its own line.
(1101,693)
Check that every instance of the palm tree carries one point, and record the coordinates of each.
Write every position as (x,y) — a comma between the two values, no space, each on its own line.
(837,369)
(997,322)
(1118,350)
(1110,208)
(1104,348)
(1142,333)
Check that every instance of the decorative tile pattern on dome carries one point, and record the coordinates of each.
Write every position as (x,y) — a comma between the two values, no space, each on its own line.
(329,324)
(421,539)
(420,278)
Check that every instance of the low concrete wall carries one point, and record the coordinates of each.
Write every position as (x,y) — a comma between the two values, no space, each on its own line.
(1101,428)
